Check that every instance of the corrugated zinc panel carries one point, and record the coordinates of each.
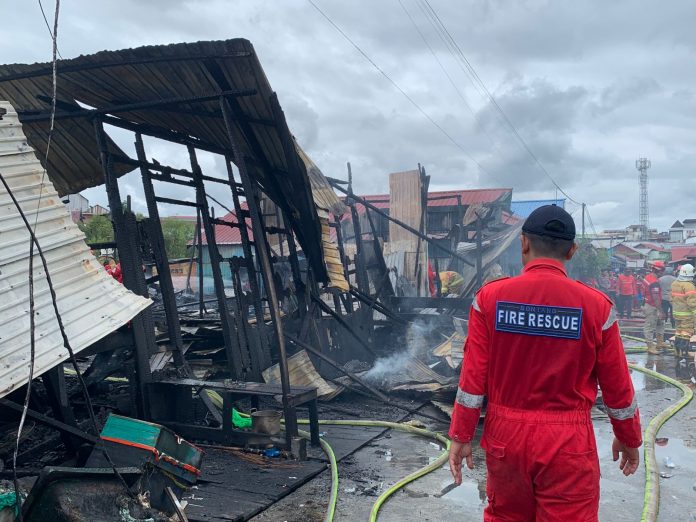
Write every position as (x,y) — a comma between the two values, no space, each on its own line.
(91,303)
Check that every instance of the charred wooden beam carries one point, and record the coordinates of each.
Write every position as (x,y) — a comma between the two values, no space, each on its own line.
(262,249)
(327,309)
(28,115)
(48,421)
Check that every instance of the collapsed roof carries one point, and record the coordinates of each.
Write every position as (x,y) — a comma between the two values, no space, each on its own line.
(176,91)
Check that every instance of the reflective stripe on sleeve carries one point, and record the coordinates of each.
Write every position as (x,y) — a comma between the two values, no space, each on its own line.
(469,400)
(610,320)
(623,413)
(474,304)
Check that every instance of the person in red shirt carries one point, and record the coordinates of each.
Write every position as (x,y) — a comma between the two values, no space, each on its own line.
(613,285)
(652,308)
(539,344)
(626,290)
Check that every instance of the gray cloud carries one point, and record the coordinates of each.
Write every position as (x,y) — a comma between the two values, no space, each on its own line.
(589,85)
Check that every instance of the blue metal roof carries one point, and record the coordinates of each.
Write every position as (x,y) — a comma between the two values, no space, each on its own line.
(524,208)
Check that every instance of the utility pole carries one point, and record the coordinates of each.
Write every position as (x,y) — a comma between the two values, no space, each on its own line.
(583,221)
(643,164)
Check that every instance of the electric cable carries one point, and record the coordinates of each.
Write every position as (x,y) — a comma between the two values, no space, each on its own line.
(478,83)
(398,88)
(32,319)
(447,74)
(48,26)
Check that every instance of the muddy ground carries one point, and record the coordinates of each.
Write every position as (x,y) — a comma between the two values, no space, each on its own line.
(367,473)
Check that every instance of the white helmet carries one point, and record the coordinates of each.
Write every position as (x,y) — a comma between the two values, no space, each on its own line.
(686,270)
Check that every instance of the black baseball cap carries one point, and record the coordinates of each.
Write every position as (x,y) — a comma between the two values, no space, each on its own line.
(550,221)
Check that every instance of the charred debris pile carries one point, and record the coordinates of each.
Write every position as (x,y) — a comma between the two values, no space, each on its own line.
(324,294)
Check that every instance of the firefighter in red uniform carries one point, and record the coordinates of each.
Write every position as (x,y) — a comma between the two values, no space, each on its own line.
(538,346)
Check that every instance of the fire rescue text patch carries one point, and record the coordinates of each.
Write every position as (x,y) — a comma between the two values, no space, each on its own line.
(530,319)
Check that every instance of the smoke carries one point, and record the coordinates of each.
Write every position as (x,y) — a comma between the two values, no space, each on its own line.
(391,369)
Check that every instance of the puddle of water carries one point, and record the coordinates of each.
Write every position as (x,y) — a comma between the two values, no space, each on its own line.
(469,493)
(664,364)
(683,457)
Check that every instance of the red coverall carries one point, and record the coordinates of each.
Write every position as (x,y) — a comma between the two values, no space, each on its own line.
(538,345)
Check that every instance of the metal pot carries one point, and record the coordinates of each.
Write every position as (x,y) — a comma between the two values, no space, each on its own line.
(266,422)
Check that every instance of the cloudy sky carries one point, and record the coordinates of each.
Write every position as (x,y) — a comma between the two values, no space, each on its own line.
(590,86)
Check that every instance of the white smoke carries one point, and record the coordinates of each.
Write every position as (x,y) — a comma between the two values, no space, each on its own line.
(387,370)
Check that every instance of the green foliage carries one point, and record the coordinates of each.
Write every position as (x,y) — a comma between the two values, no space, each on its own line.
(176,234)
(587,262)
(97,229)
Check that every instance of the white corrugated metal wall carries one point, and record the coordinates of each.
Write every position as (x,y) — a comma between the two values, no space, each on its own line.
(92,304)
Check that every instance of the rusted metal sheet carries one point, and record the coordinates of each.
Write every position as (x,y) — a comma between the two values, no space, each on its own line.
(91,303)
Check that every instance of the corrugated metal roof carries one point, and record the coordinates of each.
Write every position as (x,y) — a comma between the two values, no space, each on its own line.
(165,72)
(324,196)
(226,235)
(526,207)
(680,253)
(92,303)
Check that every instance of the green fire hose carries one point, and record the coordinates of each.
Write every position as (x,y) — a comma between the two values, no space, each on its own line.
(436,464)
(651,499)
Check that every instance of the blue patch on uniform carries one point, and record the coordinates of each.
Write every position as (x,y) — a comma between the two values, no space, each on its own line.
(531,319)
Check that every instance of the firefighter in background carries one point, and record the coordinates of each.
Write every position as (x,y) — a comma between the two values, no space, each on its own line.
(538,346)
(626,286)
(684,308)
(652,308)
(452,283)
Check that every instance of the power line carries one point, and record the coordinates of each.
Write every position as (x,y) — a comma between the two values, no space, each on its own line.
(48,26)
(444,70)
(397,87)
(478,83)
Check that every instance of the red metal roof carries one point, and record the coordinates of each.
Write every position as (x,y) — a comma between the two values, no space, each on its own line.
(680,253)
(226,235)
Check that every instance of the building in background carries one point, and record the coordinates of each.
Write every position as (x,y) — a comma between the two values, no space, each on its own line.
(525,207)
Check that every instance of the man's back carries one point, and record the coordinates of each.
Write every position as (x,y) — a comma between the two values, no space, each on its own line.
(552,365)
(538,345)
(626,284)
(666,286)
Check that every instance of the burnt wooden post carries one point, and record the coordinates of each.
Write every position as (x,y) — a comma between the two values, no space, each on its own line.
(263,252)
(54,382)
(237,359)
(125,233)
(154,231)
(201,287)
(240,213)
(346,298)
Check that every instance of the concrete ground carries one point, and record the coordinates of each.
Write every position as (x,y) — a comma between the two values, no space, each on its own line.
(370,471)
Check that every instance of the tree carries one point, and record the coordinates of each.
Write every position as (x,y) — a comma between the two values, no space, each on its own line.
(588,262)
(177,234)
(97,229)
